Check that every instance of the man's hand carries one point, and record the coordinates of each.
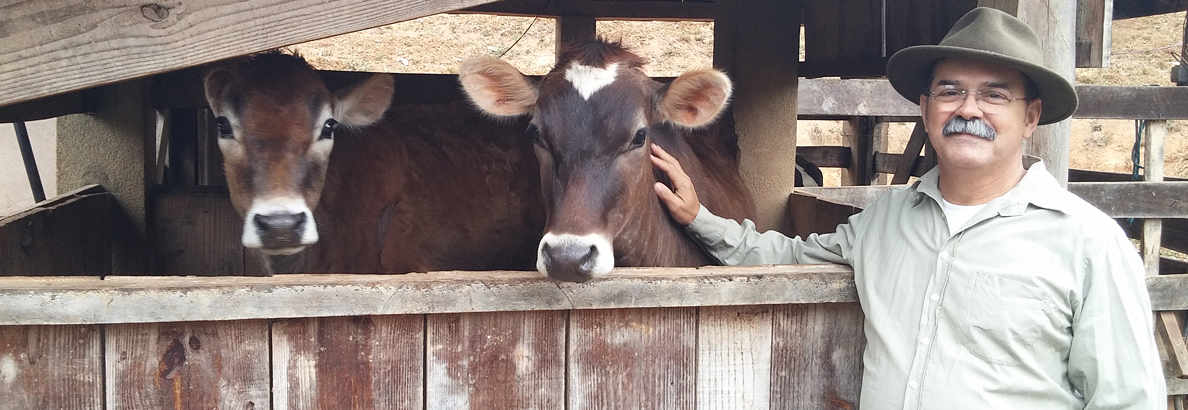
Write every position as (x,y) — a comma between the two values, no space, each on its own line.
(682,204)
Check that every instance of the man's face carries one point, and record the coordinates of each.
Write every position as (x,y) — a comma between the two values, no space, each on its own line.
(981,134)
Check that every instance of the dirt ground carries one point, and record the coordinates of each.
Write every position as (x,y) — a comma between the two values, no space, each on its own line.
(1140,55)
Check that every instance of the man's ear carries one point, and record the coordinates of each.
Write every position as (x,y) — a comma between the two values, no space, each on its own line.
(1031,116)
(215,84)
(696,98)
(366,102)
(497,88)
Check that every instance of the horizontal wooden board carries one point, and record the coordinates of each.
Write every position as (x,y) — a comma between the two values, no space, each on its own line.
(838,99)
(1168,292)
(1141,199)
(32,241)
(52,47)
(121,299)
(607,9)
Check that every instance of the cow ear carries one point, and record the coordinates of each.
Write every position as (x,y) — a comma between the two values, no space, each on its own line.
(496,87)
(696,98)
(215,84)
(366,102)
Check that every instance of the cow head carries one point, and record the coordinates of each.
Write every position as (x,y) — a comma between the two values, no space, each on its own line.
(276,123)
(593,118)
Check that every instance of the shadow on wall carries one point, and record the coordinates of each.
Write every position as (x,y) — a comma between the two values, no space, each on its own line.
(14,185)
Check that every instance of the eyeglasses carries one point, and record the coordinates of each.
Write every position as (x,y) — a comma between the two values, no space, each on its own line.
(988,99)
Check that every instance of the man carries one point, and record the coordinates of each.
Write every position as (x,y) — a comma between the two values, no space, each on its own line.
(985,284)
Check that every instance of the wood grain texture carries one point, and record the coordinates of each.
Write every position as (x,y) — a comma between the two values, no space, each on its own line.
(503,360)
(1094,23)
(51,47)
(32,241)
(193,365)
(198,233)
(734,357)
(51,367)
(40,300)
(816,356)
(632,358)
(361,362)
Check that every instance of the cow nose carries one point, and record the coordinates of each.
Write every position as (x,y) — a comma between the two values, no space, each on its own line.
(570,262)
(280,222)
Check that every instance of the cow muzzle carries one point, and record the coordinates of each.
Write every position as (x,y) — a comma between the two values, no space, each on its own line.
(574,258)
(282,226)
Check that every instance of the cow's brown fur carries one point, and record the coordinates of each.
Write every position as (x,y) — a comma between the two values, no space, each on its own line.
(424,188)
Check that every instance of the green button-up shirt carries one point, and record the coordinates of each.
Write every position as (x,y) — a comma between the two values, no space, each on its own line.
(1037,302)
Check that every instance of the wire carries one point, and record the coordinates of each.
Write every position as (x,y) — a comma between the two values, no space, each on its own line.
(521,37)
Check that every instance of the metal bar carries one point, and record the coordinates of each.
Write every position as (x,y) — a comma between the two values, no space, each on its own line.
(22,135)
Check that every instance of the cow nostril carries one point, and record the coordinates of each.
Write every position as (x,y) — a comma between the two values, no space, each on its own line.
(279,221)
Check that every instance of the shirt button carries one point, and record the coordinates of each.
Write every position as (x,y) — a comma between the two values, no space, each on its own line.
(934,297)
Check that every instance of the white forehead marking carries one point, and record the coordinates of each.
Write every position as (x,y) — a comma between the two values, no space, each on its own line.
(588,80)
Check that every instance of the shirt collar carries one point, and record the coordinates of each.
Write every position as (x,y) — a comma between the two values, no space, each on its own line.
(1038,187)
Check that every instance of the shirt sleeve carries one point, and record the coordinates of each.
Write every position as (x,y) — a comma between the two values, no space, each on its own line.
(1113,361)
(732,243)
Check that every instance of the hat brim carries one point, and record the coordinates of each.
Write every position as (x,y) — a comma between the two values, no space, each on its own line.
(910,70)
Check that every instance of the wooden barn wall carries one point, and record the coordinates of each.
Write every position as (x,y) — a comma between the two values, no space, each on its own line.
(782,356)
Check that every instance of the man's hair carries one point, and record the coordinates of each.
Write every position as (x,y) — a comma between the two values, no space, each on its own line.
(1030,90)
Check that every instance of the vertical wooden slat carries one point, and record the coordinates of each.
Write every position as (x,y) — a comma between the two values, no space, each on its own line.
(1053,21)
(724,34)
(197,233)
(499,360)
(1153,171)
(571,29)
(911,153)
(1094,21)
(816,356)
(734,357)
(51,367)
(361,362)
(192,365)
(632,358)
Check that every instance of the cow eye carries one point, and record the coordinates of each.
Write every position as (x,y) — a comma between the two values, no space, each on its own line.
(224,127)
(640,136)
(328,129)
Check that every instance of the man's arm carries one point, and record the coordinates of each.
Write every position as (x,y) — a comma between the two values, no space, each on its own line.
(1113,361)
(732,243)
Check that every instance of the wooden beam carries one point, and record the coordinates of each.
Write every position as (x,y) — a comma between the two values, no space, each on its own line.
(1143,199)
(1094,22)
(1168,292)
(613,10)
(32,241)
(833,99)
(48,107)
(1132,9)
(1153,172)
(903,170)
(57,46)
(858,134)
(137,299)
(573,29)
(826,156)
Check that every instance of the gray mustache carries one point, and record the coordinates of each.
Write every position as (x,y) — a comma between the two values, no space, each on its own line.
(975,127)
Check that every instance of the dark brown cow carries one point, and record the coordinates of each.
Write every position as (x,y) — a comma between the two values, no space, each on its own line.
(417,189)
(594,116)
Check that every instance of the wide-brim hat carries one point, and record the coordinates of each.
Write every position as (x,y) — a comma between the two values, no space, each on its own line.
(989,35)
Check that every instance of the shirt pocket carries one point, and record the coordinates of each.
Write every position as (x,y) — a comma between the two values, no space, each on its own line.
(999,317)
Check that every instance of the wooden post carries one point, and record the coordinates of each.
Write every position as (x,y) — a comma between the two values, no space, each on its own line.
(572,29)
(1153,228)
(911,153)
(114,148)
(1054,22)
(765,74)
(1094,21)
(864,136)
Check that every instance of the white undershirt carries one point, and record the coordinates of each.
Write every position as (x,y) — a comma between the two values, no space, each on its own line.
(957,215)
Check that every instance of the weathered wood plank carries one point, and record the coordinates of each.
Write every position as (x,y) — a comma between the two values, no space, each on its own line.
(362,362)
(32,241)
(827,156)
(903,170)
(47,107)
(632,358)
(194,365)
(809,214)
(1094,22)
(838,99)
(42,300)
(497,360)
(573,29)
(733,357)
(51,367)
(816,356)
(197,233)
(1153,172)
(51,47)
(616,10)
(1142,199)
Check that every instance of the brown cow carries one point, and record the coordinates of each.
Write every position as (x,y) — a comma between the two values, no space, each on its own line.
(594,117)
(414,190)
